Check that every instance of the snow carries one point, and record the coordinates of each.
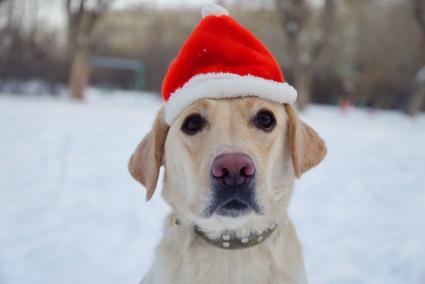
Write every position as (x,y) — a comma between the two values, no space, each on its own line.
(70,212)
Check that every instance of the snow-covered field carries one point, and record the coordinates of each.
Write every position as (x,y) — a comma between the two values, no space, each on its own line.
(70,212)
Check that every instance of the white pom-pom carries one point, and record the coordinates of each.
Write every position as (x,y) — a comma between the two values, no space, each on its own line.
(214,10)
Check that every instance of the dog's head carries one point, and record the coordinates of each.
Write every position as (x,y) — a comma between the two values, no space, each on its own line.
(228,162)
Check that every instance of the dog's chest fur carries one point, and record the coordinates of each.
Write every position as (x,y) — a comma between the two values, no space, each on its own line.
(183,257)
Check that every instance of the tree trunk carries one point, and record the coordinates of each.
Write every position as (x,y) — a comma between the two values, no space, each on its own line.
(79,73)
(81,22)
(303,79)
(417,100)
(303,73)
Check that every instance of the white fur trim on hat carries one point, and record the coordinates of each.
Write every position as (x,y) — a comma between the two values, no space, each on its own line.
(214,10)
(226,85)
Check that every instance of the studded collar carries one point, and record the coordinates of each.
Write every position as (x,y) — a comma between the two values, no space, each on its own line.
(229,240)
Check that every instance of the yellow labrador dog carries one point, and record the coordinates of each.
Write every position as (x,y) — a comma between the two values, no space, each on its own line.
(230,166)
(232,147)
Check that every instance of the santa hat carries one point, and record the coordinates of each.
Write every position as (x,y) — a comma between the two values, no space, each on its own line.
(222,59)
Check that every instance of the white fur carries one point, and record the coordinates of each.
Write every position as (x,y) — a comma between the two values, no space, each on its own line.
(226,85)
(214,10)
(182,257)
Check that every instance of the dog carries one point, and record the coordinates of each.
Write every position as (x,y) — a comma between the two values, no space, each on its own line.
(274,147)
(232,147)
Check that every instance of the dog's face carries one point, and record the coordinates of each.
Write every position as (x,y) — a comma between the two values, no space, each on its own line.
(228,162)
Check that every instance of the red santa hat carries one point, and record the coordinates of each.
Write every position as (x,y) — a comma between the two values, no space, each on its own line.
(222,59)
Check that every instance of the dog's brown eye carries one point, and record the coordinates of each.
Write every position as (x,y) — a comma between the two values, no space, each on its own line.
(193,124)
(265,120)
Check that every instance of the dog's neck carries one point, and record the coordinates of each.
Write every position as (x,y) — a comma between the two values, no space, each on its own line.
(185,255)
(231,239)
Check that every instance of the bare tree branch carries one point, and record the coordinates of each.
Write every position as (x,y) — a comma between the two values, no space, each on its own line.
(82,20)
(294,13)
(419,12)
(327,23)
(418,97)
(81,7)
(295,17)
(68,7)
(103,5)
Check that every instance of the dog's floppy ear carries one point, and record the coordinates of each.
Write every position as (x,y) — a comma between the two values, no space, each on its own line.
(307,148)
(145,162)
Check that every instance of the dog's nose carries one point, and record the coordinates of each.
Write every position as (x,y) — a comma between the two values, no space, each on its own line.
(233,169)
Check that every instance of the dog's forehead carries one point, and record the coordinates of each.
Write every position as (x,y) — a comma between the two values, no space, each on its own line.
(231,106)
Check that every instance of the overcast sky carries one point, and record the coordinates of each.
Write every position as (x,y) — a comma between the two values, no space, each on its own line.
(52,11)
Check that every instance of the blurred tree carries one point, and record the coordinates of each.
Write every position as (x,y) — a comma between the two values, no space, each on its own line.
(418,98)
(82,18)
(305,52)
(419,12)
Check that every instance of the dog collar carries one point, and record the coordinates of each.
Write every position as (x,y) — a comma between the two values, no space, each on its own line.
(229,240)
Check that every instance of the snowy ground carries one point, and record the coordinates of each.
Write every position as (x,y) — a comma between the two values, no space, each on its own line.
(70,212)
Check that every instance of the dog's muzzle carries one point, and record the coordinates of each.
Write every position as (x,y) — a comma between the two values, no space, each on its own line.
(233,186)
